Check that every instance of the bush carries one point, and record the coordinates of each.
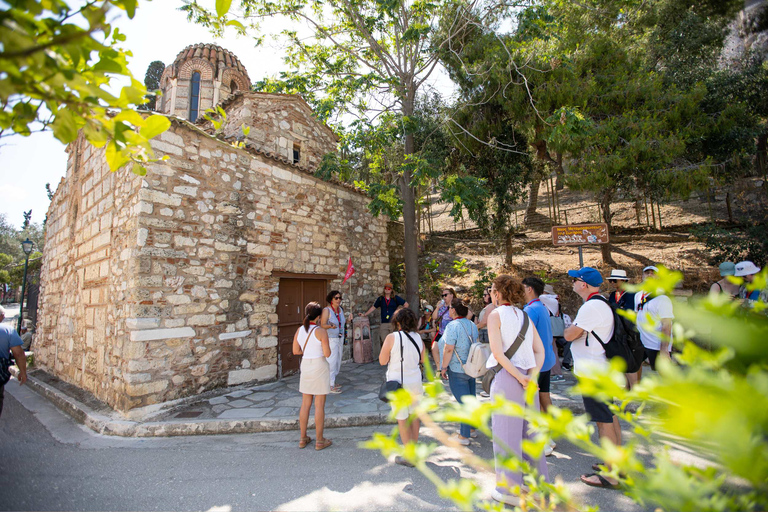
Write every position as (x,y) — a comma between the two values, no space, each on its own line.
(735,244)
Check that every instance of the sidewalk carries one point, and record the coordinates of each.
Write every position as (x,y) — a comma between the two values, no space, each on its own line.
(262,408)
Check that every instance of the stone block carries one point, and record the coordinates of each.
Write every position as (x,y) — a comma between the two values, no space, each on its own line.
(236,377)
(142,323)
(145,388)
(267,341)
(201,320)
(162,334)
(155,196)
(232,335)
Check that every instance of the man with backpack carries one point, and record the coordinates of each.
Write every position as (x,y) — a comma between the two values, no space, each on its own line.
(595,319)
(10,343)
(654,321)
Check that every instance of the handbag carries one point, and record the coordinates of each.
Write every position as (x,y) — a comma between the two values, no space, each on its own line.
(491,373)
(558,326)
(476,358)
(5,372)
(392,385)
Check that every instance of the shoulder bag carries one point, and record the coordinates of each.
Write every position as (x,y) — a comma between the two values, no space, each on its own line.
(309,335)
(476,358)
(392,385)
(491,373)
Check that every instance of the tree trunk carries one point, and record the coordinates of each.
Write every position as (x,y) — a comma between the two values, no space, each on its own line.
(638,209)
(533,201)
(508,247)
(605,249)
(410,239)
(762,158)
(560,172)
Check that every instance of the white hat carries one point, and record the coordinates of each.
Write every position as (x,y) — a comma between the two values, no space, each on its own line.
(651,267)
(549,289)
(618,275)
(746,268)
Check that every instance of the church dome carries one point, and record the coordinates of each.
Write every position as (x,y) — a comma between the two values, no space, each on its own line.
(220,58)
(202,76)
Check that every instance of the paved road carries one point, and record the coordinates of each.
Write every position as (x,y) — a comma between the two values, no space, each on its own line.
(48,462)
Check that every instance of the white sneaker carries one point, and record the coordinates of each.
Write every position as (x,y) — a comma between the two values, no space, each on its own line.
(461,440)
(550,448)
(473,434)
(507,499)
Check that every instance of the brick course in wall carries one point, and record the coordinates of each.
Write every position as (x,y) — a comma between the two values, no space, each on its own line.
(164,286)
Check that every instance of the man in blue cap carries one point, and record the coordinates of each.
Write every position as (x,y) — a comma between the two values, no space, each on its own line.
(594,317)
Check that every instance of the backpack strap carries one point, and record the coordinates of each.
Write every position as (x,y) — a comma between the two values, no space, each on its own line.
(605,301)
(414,344)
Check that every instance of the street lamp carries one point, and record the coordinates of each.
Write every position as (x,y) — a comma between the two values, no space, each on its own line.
(26,246)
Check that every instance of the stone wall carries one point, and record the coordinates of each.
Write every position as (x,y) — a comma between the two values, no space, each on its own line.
(279,123)
(84,280)
(184,261)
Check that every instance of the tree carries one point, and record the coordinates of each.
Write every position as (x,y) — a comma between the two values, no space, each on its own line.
(57,62)
(152,83)
(369,58)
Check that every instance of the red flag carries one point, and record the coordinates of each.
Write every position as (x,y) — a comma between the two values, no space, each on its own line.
(350,271)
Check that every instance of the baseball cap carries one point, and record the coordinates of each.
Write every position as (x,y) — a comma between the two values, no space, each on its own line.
(746,268)
(651,267)
(587,274)
(727,268)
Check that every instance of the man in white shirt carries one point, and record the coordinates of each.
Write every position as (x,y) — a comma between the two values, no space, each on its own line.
(588,355)
(654,321)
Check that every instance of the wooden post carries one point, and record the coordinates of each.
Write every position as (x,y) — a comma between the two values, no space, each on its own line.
(653,214)
(549,200)
(647,217)
(566,217)
(658,207)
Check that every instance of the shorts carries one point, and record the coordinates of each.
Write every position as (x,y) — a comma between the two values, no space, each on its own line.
(544,381)
(651,355)
(599,412)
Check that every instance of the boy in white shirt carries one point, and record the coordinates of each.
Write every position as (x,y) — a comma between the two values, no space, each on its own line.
(654,321)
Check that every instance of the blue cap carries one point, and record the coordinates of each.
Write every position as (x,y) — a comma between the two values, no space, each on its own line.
(587,274)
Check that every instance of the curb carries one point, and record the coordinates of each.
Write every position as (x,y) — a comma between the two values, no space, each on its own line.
(106,425)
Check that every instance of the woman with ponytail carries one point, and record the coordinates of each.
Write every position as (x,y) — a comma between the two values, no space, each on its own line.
(311,342)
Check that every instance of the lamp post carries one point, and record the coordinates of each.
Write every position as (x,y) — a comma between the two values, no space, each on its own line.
(26,246)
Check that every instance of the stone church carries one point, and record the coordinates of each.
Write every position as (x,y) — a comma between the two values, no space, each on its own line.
(195,276)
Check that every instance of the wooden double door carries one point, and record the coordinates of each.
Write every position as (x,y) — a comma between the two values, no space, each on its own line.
(294,294)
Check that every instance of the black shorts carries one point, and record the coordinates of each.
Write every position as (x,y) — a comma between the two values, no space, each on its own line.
(599,412)
(651,355)
(544,381)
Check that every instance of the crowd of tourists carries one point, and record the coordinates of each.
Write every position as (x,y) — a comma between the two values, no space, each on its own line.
(520,334)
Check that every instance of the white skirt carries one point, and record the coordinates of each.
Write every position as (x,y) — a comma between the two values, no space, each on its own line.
(315,376)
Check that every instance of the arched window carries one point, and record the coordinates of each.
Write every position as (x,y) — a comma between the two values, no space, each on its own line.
(194,97)
(232,86)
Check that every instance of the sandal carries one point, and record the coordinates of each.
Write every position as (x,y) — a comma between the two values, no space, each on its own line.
(305,441)
(603,483)
(598,467)
(322,445)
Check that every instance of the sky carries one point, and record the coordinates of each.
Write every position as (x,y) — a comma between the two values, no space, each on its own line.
(158,32)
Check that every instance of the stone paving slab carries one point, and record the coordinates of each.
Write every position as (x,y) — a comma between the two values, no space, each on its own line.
(261,408)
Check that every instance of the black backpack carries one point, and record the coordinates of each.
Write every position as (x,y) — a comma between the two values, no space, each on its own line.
(625,342)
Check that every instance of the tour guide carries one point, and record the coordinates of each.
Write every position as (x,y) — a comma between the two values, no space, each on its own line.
(389,302)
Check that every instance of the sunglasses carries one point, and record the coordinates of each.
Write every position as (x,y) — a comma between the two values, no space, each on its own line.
(446,294)
(387,288)
(338,297)
(576,279)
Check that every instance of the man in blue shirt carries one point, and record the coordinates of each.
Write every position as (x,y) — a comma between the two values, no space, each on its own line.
(10,342)
(389,303)
(539,315)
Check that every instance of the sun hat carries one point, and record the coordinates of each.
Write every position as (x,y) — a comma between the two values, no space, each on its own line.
(727,268)
(651,267)
(388,285)
(549,290)
(746,268)
(587,274)
(618,275)
(428,308)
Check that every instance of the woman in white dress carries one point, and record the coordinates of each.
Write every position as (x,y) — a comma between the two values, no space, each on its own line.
(402,352)
(311,342)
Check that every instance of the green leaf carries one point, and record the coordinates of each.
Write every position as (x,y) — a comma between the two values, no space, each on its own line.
(154,126)
(65,126)
(222,7)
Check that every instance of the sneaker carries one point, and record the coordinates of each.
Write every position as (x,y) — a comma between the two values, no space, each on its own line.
(483,394)
(473,433)
(463,441)
(403,462)
(507,499)
(550,448)
(557,378)
(568,367)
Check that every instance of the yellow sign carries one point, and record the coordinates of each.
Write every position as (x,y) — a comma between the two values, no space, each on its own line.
(580,234)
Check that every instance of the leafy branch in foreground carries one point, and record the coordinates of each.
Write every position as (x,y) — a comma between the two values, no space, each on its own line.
(713,401)
(57,63)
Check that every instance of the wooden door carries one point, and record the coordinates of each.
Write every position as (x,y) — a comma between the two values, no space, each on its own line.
(294,294)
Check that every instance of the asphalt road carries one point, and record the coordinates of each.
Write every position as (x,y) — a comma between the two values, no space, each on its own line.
(49,462)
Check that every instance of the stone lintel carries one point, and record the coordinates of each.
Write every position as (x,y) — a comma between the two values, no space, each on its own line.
(162,334)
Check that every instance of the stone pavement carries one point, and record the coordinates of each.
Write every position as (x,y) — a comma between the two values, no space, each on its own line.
(262,408)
